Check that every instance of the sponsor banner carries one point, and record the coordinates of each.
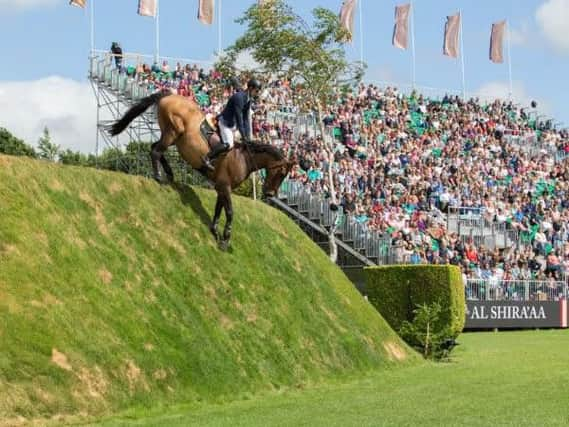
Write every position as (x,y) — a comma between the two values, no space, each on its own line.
(516,314)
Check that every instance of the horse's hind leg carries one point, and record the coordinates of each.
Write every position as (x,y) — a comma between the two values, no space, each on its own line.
(167,168)
(157,155)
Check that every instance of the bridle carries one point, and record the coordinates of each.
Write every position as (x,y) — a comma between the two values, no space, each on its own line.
(278,164)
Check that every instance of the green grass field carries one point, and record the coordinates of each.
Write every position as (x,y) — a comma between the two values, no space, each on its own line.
(494,379)
(114,295)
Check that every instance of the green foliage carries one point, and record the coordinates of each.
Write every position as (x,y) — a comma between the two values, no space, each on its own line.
(284,44)
(396,290)
(113,294)
(13,146)
(426,333)
(46,148)
(75,158)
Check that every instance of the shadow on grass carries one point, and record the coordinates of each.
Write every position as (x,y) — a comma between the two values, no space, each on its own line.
(189,198)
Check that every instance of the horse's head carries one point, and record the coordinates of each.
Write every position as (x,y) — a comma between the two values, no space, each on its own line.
(276,173)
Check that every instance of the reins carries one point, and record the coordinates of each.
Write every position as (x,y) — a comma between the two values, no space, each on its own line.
(278,164)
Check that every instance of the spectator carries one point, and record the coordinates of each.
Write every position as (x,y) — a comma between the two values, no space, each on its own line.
(116,50)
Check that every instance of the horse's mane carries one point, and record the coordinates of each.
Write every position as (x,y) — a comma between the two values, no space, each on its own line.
(266,148)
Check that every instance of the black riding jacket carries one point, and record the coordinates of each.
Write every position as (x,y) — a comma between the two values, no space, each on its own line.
(236,113)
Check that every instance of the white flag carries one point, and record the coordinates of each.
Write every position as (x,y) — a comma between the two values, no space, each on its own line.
(497,41)
(147,7)
(78,3)
(452,30)
(205,11)
(347,16)
(401,28)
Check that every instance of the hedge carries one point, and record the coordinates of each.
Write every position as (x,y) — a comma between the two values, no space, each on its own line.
(395,291)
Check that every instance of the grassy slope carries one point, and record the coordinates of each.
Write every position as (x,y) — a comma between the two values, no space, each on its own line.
(495,379)
(113,295)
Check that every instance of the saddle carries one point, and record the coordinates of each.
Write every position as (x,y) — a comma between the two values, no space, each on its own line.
(210,131)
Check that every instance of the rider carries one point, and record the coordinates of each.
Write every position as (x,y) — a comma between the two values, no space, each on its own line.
(235,116)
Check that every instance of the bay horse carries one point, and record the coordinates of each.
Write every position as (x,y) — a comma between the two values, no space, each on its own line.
(182,123)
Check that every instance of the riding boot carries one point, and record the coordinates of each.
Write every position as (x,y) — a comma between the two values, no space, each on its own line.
(213,153)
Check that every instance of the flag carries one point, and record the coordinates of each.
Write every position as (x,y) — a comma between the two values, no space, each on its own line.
(205,11)
(452,30)
(347,16)
(79,3)
(496,42)
(401,27)
(147,7)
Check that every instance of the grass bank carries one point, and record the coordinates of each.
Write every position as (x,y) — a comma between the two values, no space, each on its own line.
(113,295)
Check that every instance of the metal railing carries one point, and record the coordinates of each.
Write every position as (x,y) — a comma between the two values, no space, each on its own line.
(471,225)
(515,290)
(535,147)
(315,207)
(103,69)
(345,251)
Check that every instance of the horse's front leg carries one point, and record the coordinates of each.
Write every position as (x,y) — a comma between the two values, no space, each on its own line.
(228,219)
(217,214)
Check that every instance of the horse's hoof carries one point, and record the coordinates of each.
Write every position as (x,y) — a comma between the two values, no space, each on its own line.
(223,245)
(160,181)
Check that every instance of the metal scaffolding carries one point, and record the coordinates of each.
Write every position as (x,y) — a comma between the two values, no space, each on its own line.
(115,93)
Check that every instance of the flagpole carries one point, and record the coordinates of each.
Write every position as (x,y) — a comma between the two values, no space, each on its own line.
(219,29)
(361,34)
(462,58)
(509,58)
(413,70)
(92,24)
(157,30)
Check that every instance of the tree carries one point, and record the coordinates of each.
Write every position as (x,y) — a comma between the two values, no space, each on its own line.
(427,334)
(70,157)
(312,56)
(9,144)
(47,149)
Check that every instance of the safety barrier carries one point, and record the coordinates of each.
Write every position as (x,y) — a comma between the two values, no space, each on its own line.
(515,290)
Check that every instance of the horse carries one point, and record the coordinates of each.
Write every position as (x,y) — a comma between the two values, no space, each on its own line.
(183,123)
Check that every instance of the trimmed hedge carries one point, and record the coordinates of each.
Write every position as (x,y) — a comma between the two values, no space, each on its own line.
(396,290)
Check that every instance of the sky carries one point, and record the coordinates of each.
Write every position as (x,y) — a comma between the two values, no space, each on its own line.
(45,47)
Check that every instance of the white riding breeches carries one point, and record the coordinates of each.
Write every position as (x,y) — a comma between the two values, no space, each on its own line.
(226,132)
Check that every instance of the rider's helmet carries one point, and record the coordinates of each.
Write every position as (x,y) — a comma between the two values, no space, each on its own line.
(254,84)
(234,83)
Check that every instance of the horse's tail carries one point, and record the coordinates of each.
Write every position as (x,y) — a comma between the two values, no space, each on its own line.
(135,111)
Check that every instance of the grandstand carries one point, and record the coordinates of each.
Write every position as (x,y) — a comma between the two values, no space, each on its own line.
(479,184)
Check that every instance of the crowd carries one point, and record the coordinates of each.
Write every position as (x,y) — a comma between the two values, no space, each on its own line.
(401,162)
